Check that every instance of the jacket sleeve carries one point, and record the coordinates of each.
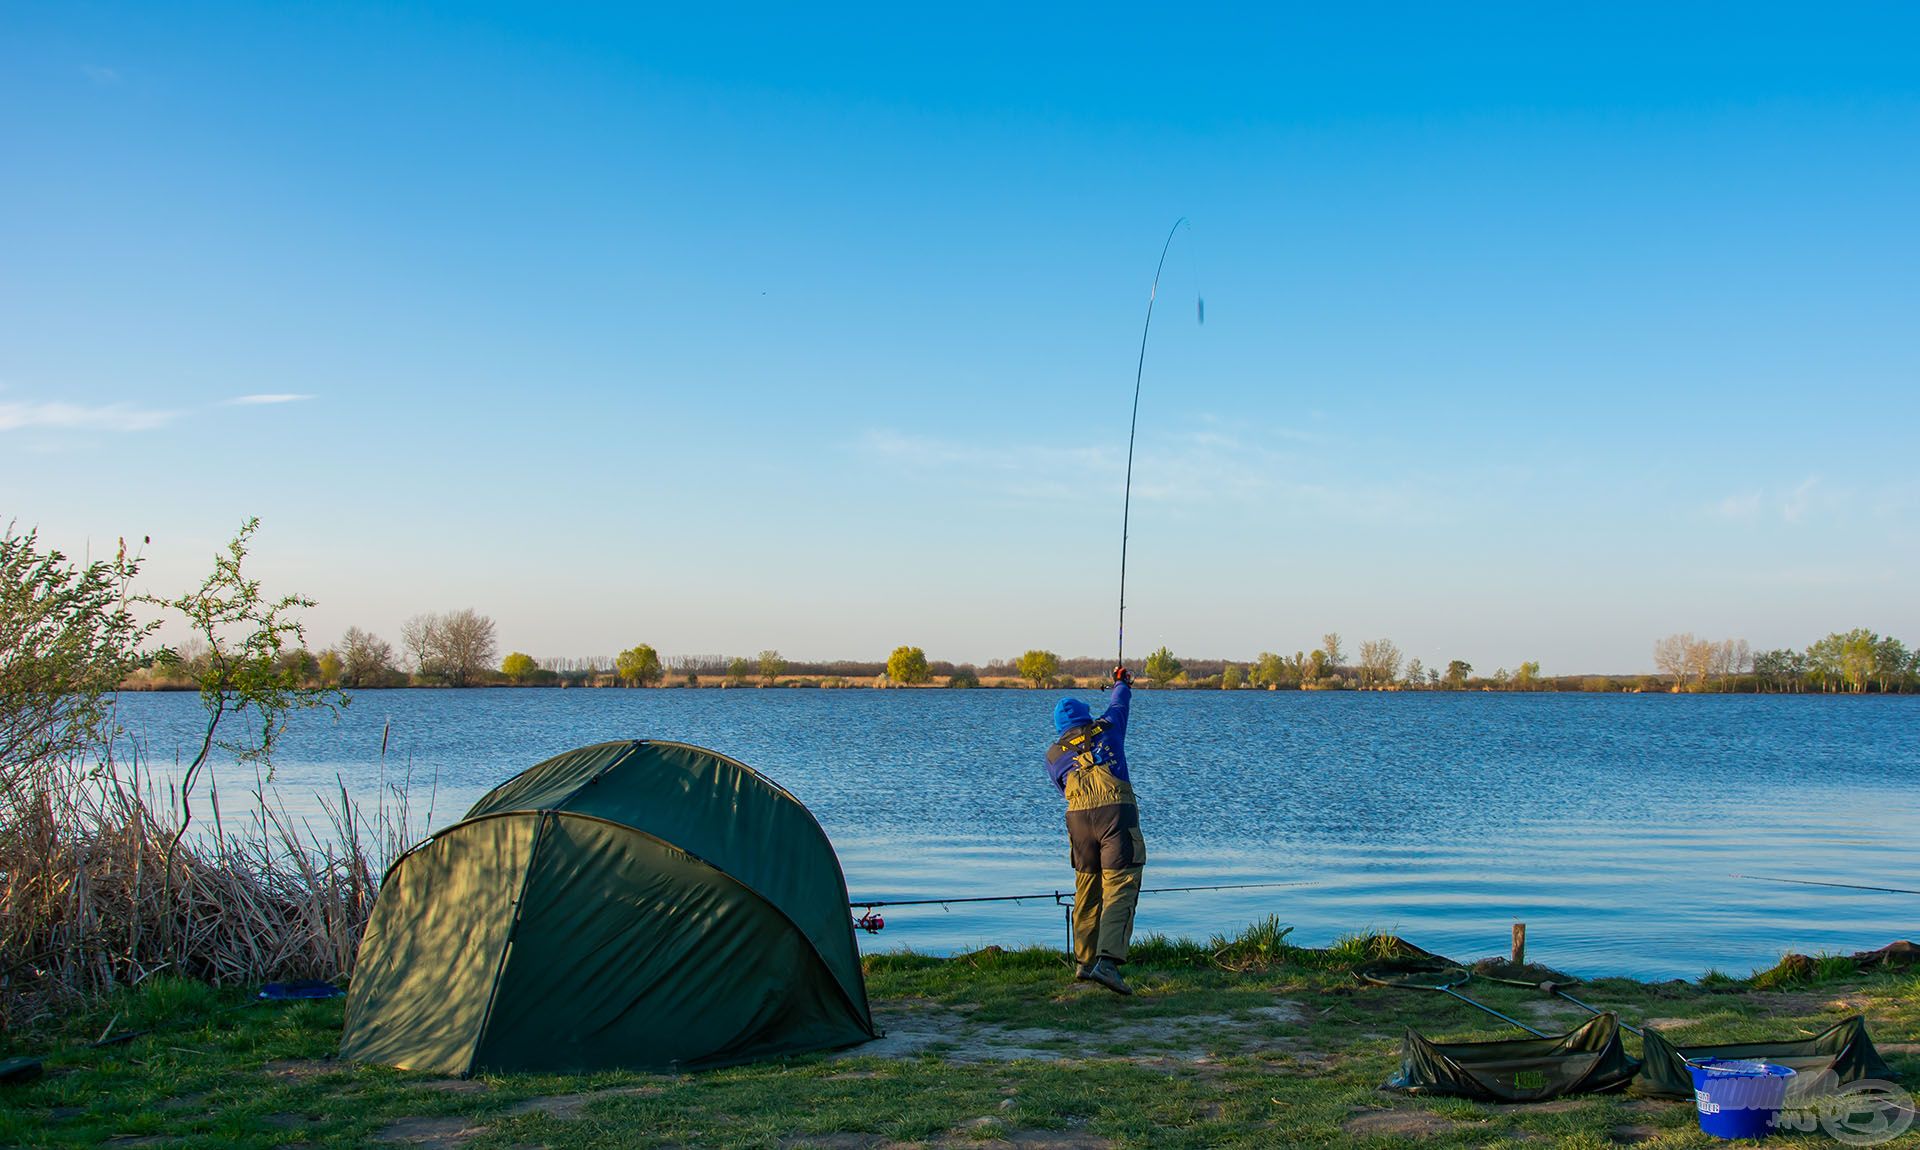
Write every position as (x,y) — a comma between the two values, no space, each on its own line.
(1058,772)
(1116,714)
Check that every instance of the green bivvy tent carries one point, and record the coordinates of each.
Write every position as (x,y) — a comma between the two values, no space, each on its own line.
(1840,1054)
(641,905)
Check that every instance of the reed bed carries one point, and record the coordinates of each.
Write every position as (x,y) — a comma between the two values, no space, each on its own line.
(102,885)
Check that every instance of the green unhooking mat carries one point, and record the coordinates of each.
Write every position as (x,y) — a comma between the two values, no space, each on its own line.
(1590,1060)
(1841,1054)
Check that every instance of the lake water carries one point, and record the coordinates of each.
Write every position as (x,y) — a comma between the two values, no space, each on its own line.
(1610,824)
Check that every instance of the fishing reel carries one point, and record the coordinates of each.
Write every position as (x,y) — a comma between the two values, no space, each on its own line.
(871,922)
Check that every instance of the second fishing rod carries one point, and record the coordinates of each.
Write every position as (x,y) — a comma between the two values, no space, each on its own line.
(870,920)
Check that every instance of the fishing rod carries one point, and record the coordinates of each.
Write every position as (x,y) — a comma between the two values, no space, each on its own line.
(1139,369)
(1055,896)
(1838,885)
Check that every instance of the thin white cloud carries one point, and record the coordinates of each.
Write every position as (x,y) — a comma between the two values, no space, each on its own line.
(272,397)
(1183,468)
(889,444)
(99,74)
(1742,508)
(80,417)
(1794,508)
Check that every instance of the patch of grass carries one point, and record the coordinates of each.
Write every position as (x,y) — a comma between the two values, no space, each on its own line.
(1159,950)
(1287,1054)
(1799,970)
(1260,945)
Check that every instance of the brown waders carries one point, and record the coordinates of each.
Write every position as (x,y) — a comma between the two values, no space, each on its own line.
(1108,856)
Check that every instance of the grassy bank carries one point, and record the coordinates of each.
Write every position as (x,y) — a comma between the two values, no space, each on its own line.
(988,1049)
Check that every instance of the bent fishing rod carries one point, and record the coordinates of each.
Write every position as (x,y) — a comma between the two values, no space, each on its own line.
(1139,370)
(1056,896)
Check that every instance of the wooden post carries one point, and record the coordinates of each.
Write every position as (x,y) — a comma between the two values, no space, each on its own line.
(1519,944)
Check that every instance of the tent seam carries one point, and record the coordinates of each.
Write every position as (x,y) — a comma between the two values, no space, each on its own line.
(513,930)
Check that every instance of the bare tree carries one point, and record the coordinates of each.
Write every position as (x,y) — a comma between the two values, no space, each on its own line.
(366,659)
(1671,656)
(465,647)
(1701,655)
(1379,662)
(419,636)
(1330,646)
(1698,661)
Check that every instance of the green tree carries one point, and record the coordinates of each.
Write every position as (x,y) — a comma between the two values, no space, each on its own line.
(1269,670)
(518,667)
(772,666)
(1230,678)
(1416,674)
(1038,667)
(1457,672)
(330,666)
(244,634)
(638,666)
(1823,662)
(1777,670)
(1162,668)
(1857,658)
(1527,678)
(963,678)
(67,639)
(738,669)
(908,665)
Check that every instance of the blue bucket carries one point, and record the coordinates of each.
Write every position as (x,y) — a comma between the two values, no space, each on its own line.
(1738,1099)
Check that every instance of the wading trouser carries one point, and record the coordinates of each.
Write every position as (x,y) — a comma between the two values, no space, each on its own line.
(1108,856)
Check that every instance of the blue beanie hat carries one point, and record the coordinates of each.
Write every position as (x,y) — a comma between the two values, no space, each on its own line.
(1070,713)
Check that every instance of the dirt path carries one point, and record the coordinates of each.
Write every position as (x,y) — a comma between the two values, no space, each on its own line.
(915,1029)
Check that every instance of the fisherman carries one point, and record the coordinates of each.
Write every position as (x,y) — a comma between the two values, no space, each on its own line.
(1088,762)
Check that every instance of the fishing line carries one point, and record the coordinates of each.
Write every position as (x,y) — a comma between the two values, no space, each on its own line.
(1839,885)
(1133,427)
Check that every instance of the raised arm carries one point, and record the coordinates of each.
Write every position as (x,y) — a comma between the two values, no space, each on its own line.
(1116,714)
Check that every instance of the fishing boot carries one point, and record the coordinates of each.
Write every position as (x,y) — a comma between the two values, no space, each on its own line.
(1083,972)
(1107,974)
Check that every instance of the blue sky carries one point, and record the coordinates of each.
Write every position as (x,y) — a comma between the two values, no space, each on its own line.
(1530,335)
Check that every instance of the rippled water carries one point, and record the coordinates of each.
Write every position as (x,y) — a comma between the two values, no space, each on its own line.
(1610,824)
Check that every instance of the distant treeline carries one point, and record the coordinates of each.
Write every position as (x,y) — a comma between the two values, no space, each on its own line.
(458,649)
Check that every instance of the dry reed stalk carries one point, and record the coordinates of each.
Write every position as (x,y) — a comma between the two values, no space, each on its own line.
(99,888)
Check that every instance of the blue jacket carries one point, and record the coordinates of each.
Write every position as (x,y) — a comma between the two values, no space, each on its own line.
(1109,750)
